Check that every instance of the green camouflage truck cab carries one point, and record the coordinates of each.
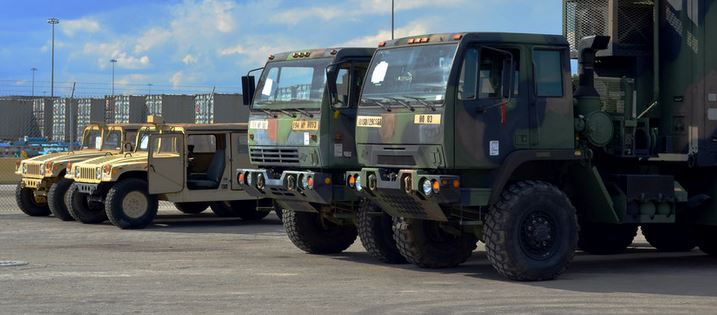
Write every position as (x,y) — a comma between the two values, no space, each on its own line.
(44,183)
(301,135)
(481,136)
(190,165)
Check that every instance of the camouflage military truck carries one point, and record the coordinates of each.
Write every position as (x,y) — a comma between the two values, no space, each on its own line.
(479,136)
(43,186)
(189,165)
(301,134)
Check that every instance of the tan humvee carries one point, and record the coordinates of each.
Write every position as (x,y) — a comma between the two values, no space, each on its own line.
(188,164)
(43,186)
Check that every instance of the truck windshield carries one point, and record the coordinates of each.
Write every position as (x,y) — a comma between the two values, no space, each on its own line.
(414,74)
(92,139)
(292,84)
(113,140)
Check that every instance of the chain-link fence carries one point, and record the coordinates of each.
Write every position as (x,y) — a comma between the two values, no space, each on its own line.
(32,126)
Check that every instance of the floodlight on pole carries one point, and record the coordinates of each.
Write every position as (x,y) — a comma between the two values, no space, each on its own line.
(52,21)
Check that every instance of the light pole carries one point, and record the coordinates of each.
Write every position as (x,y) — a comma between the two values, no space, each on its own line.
(392,17)
(33,80)
(113,61)
(52,21)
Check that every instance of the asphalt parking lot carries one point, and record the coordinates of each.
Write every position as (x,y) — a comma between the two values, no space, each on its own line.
(203,264)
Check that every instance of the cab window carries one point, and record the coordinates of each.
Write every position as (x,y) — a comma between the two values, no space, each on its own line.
(113,140)
(548,73)
(166,145)
(92,140)
(202,143)
(484,78)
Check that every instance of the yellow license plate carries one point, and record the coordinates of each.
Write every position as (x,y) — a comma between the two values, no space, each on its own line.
(299,125)
(369,121)
(259,124)
(427,119)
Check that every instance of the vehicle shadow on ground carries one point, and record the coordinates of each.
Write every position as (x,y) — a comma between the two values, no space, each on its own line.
(639,270)
(209,223)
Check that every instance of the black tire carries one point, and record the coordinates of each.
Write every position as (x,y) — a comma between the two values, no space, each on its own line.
(427,245)
(56,199)
(314,235)
(81,209)
(604,238)
(375,229)
(137,218)
(531,232)
(707,239)
(670,237)
(191,207)
(25,198)
(223,209)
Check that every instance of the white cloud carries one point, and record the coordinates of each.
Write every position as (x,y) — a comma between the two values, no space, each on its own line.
(189,59)
(71,27)
(415,28)
(354,9)
(151,38)
(228,51)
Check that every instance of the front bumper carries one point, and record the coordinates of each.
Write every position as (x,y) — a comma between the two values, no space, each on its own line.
(86,188)
(36,183)
(291,192)
(401,194)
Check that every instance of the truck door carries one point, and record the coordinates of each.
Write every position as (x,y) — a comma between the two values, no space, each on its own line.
(343,123)
(491,111)
(166,171)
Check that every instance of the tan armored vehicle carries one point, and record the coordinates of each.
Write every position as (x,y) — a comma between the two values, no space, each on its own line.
(187,164)
(43,186)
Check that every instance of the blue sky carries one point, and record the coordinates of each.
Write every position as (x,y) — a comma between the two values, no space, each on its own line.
(192,46)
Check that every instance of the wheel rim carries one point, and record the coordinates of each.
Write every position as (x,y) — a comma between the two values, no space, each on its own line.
(135,204)
(538,234)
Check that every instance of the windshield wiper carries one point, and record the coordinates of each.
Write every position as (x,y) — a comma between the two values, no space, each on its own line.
(304,112)
(423,102)
(267,112)
(378,102)
(401,102)
(288,113)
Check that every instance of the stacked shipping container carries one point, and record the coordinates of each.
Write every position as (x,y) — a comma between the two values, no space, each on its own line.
(219,108)
(173,108)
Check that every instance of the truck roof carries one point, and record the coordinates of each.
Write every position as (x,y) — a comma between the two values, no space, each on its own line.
(521,38)
(316,53)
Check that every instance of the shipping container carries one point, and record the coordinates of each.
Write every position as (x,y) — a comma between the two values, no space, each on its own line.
(89,110)
(125,109)
(42,113)
(219,108)
(173,108)
(64,119)
(16,120)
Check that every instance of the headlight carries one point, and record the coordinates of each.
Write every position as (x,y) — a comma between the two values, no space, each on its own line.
(260,181)
(249,180)
(426,186)
(98,172)
(24,168)
(77,172)
(358,183)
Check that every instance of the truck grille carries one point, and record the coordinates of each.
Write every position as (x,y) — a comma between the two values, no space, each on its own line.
(274,155)
(87,173)
(34,169)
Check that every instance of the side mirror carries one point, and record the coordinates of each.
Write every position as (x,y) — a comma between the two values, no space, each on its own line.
(248,87)
(128,147)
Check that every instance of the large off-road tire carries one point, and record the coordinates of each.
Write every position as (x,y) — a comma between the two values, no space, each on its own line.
(375,229)
(670,237)
(56,199)
(315,235)
(81,209)
(191,207)
(707,239)
(427,244)
(129,205)
(531,232)
(25,198)
(605,239)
